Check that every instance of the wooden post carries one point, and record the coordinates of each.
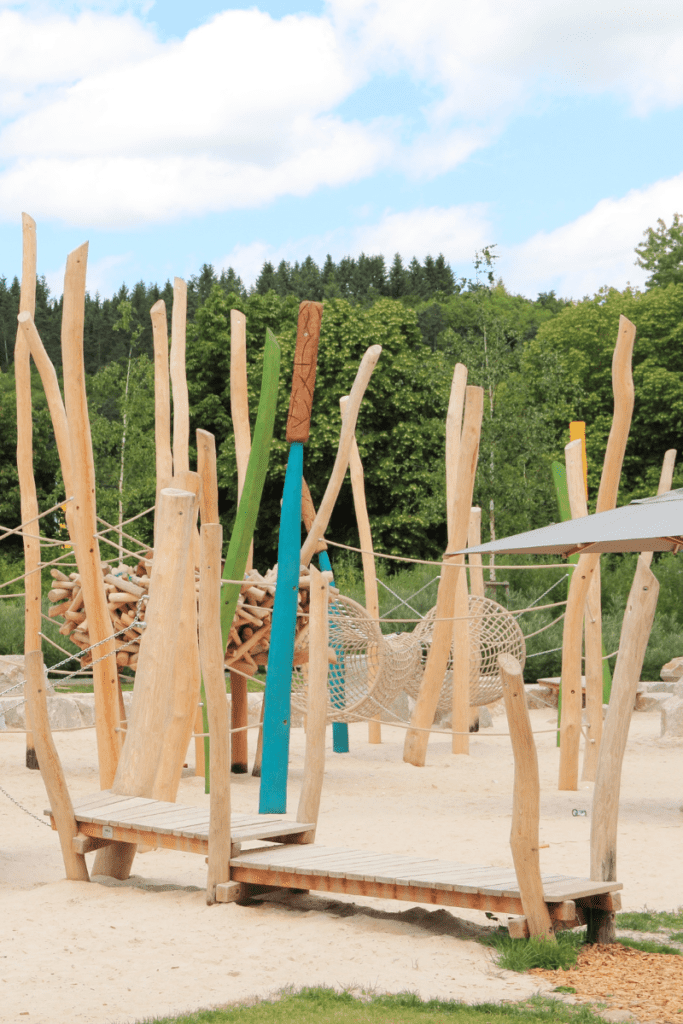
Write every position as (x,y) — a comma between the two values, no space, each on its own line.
(475,561)
(314,762)
(341,462)
(416,741)
(239,409)
(635,633)
(525,801)
(181,402)
(276,721)
(666,479)
(27,483)
(142,750)
(206,467)
(162,400)
(368,558)
(105,674)
(185,686)
(456,404)
(570,721)
(477,590)
(211,648)
(144,741)
(51,768)
(461,647)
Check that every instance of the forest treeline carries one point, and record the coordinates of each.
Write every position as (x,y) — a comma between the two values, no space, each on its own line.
(541,363)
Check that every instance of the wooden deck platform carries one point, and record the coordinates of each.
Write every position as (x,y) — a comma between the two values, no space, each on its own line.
(296,863)
(415,879)
(104,816)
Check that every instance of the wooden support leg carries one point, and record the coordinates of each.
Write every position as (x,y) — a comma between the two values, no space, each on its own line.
(526,801)
(374,730)
(240,718)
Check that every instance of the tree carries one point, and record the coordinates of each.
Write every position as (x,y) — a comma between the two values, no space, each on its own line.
(662,253)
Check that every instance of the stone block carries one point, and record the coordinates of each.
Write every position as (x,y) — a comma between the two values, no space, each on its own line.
(672,671)
(538,696)
(12,674)
(672,717)
(659,686)
(649,701)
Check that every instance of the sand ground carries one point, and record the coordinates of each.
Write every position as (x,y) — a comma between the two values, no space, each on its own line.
(79,952)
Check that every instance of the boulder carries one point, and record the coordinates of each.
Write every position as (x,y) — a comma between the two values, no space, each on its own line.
(672,717)
(672,671)
(538,696)
(12,675)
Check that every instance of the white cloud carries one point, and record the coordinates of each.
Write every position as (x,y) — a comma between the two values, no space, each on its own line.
(489,55)
(52,50)
(233,116)
(594,250)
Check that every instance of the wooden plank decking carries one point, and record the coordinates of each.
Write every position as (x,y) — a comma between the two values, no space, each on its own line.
(416,879)
(104,817)
(135,819)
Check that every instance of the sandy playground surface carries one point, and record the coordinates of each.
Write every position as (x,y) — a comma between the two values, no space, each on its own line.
(78,952)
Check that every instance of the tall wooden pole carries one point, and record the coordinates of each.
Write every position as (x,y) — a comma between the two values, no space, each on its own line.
(211,648)
(477,590)
(417,737)
(27,483)
(162,400)
(181,403)
(368,558)
(635,633)
(105,674)
(239,408)
(570,722)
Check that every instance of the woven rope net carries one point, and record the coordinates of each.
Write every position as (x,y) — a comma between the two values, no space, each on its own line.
(492,631)
(371,669)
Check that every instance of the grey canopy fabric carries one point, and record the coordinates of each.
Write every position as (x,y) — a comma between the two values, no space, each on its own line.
(647,524)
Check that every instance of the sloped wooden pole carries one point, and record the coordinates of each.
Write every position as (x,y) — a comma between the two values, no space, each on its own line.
(526,801)
(417,738)
(27,483)
(142,750)
(341,462)
(51,767)
(570,721)
(105,673)
(635,633)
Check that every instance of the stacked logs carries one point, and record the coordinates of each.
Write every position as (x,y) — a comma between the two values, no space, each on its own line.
(249,639)
(124,587)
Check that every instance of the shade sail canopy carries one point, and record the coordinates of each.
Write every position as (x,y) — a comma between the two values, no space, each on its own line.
(647,524)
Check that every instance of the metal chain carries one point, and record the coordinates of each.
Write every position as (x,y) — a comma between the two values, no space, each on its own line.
(25,809)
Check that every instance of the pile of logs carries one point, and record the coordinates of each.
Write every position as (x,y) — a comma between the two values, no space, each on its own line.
(124,587)
(249,639)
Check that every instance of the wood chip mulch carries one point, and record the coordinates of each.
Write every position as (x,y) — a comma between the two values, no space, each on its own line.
(649,985)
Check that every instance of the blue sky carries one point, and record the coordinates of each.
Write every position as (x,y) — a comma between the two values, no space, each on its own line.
(172,134)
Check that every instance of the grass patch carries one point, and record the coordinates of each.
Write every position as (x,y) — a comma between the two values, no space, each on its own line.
(523,954)
(650,946)
(312,1005)
(651,920)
